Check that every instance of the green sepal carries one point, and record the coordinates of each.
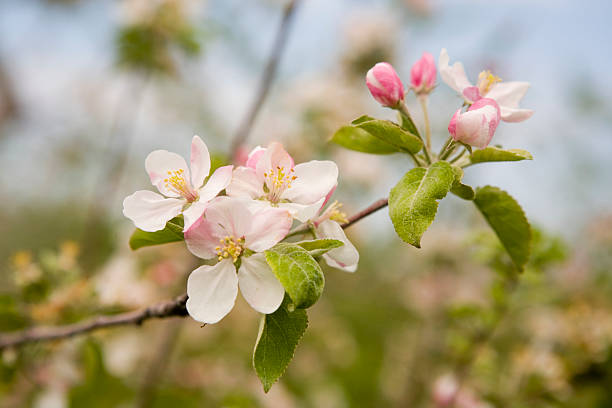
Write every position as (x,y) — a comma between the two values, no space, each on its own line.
(495,154)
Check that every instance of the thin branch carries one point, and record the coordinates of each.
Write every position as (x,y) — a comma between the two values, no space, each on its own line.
(169,308)
(266,80)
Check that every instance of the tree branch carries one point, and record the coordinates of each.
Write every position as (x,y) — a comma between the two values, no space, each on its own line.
(266,80)
(168,308)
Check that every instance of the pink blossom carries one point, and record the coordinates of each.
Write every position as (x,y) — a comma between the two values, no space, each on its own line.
(272,179)
(182,192)
(507,94)
(476,126)
(423,74)
(385,85)
(231,230)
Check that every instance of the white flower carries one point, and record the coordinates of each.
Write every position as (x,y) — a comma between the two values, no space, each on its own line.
(187,193)
(506,94)
(230,228)
(272,179)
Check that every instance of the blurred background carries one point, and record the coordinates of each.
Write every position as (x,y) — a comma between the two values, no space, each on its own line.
(89,88)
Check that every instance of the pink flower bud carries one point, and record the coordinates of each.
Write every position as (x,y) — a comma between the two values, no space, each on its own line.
(384,85)
(423,74)
(476,126)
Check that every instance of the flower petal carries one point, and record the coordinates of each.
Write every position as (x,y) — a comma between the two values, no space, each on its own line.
(515,115)
(303,212)
(345,257)
(150,211)
(245,184)
(158,163)
(254,156)
(212,291)
(202,237)
(454,76)
(219,180)
(274,157)
(314,180)
(269,227)
(200,162)
(258,284)
(508,94)
(232,215)
(193,213)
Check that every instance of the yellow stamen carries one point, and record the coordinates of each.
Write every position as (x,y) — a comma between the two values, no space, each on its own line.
(230,247)
(177,183)
(277,181)
(486,80)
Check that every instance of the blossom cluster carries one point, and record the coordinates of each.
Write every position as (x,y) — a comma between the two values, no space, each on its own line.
(235,214)
(486,104)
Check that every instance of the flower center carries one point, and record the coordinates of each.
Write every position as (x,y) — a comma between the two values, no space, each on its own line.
(333,213)
(177,183)
(486,80)
(230,247)
(277,181)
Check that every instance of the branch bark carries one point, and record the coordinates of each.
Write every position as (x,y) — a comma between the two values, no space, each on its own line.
(266,80)
(168,308)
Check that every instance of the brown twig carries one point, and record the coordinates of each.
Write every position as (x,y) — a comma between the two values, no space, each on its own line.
(266,80)
(168,308)
(160,310)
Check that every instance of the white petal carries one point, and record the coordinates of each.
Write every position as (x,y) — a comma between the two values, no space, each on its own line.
(274,157)
(202,237)
(508,94)
(245,184)
(150,211)
(453,76)
(269,227)
(231,214)
(258,285)
(212,291)
(514,115)
(193,213)
(159,163)
(345,257)
(219,180)
(303,212)
(314,180)
(200,162)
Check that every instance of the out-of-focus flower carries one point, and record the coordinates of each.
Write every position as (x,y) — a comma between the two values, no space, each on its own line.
(328,225)
(476,127)
(187,193)
(231,228)
(385,85)
(271,178)
(447,392)
(506,94)
(423,75)
(25,270)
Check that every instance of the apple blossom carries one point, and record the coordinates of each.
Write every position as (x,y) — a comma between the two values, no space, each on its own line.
(229,231)
(423,75)
(385,85)
(476,126)
(328,225)
(181,191)
(271,178)
(506,94)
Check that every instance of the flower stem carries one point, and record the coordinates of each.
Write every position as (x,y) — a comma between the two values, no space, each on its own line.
(404,111)
(423,101)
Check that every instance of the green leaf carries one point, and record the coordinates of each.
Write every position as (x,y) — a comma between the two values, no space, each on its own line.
(279,334)
(508,220)
(459,189)
(357,139)
(318,247)
(408,124)
(299,273)
(413,201)
(172,233)
(361,119)
(494,154)
(392,134)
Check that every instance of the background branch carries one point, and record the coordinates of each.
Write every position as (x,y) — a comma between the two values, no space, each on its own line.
(169,308)
(266,80)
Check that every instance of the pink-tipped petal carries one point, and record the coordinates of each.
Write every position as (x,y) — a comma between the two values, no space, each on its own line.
(385,85)
(233,215)
(454,76)
(254,156)
(217,182)
(245,184)
(345,257)
(269,226)
(200,162)
(423,74)
(272,159)
(202,238)
(314,180)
